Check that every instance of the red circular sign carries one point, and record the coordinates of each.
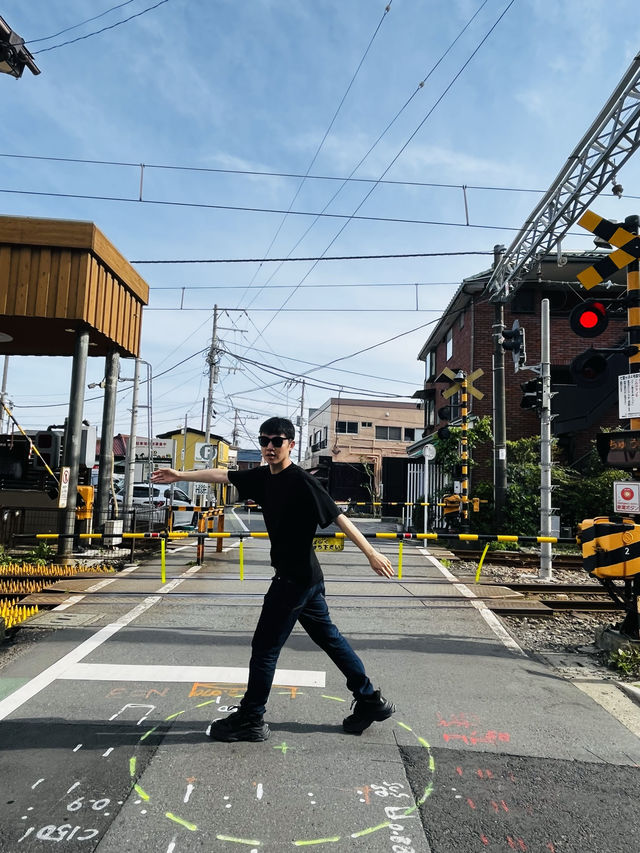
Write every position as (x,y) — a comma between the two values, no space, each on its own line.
(626,494)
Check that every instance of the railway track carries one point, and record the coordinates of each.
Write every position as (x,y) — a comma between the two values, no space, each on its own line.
(520,559)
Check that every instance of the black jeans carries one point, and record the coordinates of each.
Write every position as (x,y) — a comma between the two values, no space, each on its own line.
(285,604)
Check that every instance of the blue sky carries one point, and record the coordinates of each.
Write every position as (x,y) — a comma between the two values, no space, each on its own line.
(226,89)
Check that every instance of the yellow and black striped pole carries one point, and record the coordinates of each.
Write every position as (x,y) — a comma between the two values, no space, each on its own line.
(464,449)
(633,308)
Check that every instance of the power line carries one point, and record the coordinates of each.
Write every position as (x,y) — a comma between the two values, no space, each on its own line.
(81,24)
(316,258)
(322,141)
(103,30)
(243,209)
(402,149)
(269,174)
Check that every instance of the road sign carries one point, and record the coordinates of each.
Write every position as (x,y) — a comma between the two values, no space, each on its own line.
(628,249)
(626,497)
(629,396)
(429,452)
(205,452)
(65,474)
(457,384)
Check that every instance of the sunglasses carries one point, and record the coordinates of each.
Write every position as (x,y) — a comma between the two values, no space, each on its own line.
(266,440)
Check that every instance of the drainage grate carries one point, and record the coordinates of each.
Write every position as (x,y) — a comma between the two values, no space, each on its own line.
(60,620)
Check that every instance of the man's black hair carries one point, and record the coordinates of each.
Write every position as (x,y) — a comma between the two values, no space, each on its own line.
(279,426)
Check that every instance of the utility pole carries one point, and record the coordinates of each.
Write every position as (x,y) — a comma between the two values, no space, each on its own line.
(545,441)
(212,361)
(301,423)
(184,442)
(234,437)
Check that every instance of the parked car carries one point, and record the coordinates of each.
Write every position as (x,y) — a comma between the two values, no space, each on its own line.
(158,497)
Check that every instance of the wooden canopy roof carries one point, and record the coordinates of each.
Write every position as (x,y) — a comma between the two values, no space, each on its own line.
(57,276)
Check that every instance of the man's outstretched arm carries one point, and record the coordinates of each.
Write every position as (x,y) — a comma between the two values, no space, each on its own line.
(379,563)
(206,475)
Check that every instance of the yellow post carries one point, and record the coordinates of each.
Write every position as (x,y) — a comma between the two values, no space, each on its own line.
(163,560)
(241,555)
(400,560)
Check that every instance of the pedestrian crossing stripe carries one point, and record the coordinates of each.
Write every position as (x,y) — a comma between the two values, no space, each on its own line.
(627,251)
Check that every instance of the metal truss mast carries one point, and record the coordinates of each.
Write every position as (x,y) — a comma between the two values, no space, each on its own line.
(610,141)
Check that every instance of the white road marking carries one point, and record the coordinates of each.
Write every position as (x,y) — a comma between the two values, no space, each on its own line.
(490,618)
(188,674)
(239,520)
(12,702)
(76,598)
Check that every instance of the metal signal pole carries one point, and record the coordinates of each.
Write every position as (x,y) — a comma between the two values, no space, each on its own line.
(545,442)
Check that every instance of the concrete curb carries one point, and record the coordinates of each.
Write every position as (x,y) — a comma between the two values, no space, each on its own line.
(631,689)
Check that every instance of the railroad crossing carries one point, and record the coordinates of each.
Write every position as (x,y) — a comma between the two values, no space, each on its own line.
(102,723)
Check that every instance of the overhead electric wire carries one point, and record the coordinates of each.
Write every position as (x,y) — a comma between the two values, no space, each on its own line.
(256,173)
(326,133)
(103,30)
(81,24)
(316,258)
(240,209)
(405,145)
(357,166)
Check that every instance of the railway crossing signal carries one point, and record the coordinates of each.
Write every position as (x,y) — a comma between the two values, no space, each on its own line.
(627,249)
(589,319)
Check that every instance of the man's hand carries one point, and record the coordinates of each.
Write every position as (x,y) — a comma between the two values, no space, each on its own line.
(381,565)
(165,475)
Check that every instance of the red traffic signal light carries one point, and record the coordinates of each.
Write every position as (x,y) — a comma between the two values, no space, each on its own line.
(590,369)
(589,319)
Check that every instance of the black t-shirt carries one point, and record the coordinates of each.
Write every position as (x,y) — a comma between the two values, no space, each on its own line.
(294,504)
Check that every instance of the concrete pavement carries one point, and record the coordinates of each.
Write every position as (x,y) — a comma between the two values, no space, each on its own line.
(101,725)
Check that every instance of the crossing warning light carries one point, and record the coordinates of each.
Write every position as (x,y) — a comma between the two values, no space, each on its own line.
(590,369)
(444,413)
(589,319)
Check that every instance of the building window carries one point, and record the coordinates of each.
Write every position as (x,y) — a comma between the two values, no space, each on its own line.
(347,427)
(430,412)
(431,366)
(389,433)
(449,345)
(461,320)
(366,424)
(409,434)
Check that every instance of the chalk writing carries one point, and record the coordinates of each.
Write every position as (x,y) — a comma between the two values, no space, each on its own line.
(64,832)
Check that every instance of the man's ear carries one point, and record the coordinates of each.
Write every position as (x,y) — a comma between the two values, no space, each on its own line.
(291,443)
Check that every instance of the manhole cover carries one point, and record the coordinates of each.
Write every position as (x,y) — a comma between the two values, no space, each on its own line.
(60,620)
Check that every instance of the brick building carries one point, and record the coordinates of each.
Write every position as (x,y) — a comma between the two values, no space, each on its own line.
(465,339)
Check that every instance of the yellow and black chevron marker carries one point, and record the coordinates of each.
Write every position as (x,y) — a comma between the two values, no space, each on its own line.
(456,385)
(610,548)
(628,249)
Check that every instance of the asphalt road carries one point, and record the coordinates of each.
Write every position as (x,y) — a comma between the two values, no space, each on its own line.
(102,724)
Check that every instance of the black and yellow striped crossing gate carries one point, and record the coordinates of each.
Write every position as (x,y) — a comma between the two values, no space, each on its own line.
(610,547)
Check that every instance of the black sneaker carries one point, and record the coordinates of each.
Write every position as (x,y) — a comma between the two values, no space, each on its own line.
(239,725)
(373,709)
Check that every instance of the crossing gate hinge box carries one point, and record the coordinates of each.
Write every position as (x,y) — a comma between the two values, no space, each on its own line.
(610,547)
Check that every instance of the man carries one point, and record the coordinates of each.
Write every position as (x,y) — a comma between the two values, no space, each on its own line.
(293,505)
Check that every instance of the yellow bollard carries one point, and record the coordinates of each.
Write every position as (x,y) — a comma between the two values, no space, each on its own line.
(241,555)
(163,560)
(400,560)
(484,554)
